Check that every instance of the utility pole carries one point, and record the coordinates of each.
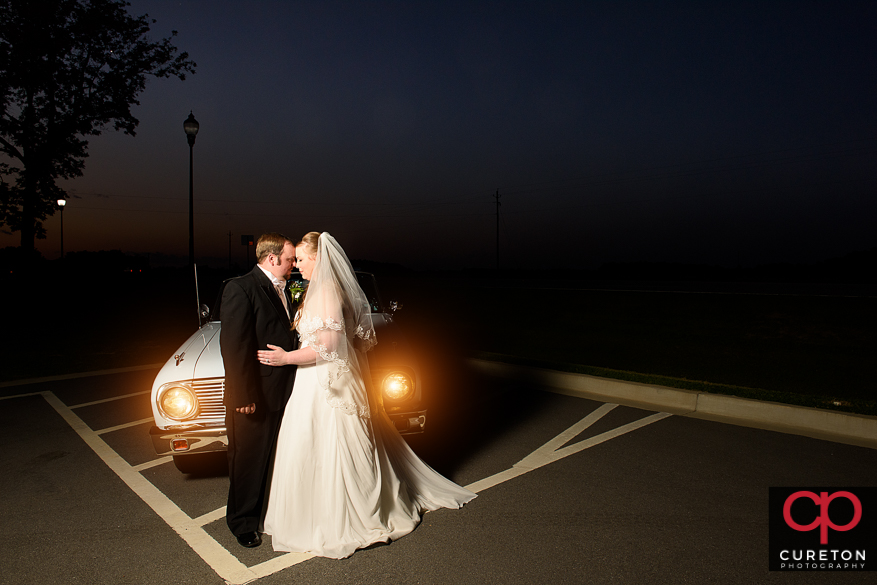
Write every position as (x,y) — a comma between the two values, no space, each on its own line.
(191,127)
(497,228)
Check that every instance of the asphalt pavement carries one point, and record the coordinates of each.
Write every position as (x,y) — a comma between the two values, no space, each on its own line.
(571,490)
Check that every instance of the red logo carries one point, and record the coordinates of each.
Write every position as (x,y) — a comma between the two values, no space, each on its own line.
(822,521)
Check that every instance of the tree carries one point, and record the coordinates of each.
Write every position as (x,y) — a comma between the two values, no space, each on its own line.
(69,69)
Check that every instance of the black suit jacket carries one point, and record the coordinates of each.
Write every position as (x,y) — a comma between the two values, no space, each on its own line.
(253,316)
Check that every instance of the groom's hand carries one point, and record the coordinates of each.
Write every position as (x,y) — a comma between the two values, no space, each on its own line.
(248,409)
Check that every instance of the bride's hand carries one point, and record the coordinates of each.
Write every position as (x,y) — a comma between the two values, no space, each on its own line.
(274,356)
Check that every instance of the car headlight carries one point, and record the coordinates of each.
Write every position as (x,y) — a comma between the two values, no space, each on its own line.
(177,402)
(397,386)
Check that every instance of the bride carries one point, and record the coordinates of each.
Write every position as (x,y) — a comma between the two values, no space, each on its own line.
(343,476)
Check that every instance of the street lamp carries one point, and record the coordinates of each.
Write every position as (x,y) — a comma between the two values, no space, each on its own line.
(191,127)
(61,204)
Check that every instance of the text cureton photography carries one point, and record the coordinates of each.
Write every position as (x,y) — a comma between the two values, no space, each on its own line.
(823,528)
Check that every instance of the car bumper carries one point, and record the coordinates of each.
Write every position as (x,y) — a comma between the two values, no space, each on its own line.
(181,441)
(410,422)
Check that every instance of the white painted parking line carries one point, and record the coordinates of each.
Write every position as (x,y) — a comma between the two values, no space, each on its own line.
(570,433)
(154,463)
(553,450)
(223,563)
(278,564)
(142,421)
(622,430)
(229,567)
(20,395)
(210,517)
(109,399)
(79,375)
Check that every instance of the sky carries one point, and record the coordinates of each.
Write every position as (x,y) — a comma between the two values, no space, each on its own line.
(705,132)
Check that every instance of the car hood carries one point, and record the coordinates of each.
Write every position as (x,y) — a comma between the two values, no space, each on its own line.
(197,357)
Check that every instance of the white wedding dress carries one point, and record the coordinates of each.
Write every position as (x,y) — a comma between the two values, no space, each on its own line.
(343,480)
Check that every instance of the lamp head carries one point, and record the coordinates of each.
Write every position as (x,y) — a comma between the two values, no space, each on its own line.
(191,127)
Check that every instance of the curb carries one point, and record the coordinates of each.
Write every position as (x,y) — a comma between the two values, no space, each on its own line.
(818,423)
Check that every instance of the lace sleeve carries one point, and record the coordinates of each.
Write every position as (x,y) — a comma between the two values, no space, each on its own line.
(366,337)
(336,323)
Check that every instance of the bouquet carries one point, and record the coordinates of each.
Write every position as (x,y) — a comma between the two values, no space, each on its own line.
(296,290)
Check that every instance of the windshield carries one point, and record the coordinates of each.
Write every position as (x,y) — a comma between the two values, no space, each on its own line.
(370,288)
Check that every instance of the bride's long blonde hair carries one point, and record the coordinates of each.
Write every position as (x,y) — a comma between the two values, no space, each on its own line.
(309,241)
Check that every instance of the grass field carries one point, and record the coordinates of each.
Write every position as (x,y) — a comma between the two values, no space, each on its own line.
(802,349)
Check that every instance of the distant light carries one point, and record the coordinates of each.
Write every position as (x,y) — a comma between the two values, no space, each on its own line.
(191,126)
(62,202)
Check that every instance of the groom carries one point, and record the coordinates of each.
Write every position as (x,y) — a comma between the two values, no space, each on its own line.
(255,312)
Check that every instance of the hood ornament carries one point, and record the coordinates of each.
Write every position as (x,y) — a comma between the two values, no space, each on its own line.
(180,357)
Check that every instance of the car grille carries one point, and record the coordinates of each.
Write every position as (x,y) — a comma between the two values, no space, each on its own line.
(209,392)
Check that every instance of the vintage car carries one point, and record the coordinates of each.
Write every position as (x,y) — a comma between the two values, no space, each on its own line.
(187,393)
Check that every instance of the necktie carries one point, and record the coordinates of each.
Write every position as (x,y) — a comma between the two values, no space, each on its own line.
(280,291)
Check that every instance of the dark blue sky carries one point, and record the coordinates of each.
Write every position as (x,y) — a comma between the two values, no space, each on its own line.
(725,132)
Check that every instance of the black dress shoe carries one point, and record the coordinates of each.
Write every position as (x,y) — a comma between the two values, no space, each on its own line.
(249,539)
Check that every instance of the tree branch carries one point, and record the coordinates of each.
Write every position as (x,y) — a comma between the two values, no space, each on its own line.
(11,150)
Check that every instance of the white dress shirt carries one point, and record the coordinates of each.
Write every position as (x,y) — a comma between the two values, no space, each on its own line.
(279,286)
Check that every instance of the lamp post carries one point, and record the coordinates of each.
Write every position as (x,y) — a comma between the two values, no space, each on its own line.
(61,204)
(191,127)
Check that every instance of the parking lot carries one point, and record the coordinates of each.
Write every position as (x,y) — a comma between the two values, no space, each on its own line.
(570,490)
